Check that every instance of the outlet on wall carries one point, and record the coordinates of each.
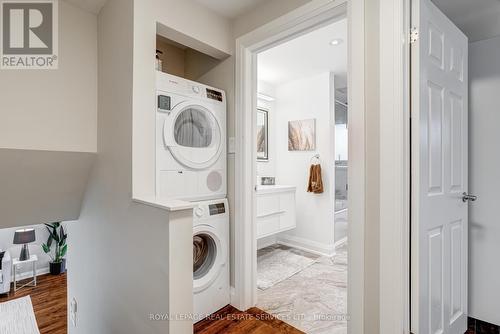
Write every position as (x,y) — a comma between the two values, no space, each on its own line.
(73,308)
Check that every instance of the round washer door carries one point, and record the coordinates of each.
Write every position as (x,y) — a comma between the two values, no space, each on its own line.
(193,135)
(209,257)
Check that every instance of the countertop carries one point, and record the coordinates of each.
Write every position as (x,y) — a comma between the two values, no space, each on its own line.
(261,189)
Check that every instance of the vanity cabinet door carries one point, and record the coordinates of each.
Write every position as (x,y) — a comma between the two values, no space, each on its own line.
(287,206)
(268,204)
(275,213)
(268,225)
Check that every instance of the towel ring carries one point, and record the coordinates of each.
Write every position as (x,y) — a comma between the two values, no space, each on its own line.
(315,158)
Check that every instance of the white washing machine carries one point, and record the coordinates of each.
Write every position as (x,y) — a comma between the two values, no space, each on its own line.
(190,140)
(210,257)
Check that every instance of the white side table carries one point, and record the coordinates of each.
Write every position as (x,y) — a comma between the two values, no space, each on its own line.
(15,263)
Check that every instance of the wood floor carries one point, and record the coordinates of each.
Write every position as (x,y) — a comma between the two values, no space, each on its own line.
(254,321)
(49,302)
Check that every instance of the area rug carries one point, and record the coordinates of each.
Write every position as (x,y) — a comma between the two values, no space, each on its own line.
(17,317)
(277,263)
(318,294)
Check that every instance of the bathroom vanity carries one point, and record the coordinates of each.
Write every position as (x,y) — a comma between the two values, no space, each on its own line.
(275,209)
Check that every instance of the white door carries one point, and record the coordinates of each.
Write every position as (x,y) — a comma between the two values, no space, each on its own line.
(439,173)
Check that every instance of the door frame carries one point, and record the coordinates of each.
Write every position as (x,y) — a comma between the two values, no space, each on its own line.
(293,24)
(395,162)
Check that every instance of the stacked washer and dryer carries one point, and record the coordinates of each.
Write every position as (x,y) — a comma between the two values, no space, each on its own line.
(191,164)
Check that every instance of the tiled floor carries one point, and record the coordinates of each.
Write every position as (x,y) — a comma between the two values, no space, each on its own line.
(313,300)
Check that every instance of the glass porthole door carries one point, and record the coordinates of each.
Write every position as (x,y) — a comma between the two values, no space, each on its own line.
(208,257)
(194,135)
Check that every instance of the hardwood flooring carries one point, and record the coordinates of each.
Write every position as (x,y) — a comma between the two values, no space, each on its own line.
(254,321)
(50,305)
(49,302)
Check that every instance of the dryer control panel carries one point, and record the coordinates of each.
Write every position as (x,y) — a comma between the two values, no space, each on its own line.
(164,103)
(217,209)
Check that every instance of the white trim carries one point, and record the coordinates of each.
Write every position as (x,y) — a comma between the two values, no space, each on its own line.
(266,241)
(297,22)
(395,162)
(310,246)
(357,168)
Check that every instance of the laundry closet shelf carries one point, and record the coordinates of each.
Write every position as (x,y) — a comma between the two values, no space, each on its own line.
(166,204)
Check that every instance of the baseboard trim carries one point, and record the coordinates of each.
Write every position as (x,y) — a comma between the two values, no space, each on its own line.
(314,247)
(266,242)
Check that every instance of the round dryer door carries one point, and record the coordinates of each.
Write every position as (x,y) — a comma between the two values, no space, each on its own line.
(193,135)
(209,256)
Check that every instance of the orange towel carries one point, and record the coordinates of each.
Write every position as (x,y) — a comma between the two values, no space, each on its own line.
(315,184)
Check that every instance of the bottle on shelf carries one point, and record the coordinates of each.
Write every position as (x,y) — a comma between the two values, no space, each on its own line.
(159,62)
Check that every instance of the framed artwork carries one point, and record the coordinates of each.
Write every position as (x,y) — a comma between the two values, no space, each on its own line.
(262,135)
(302,135)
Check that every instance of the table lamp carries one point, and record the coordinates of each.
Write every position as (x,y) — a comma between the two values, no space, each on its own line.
(24,237)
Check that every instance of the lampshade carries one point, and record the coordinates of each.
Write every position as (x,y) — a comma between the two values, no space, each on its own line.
(24,236)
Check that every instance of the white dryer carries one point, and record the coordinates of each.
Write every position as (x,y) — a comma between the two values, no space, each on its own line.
(190,139)
(210,257)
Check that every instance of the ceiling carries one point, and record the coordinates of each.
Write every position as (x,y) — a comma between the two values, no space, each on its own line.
(93,6)
(478,19)
(307,55)
(227,8)
(230,8)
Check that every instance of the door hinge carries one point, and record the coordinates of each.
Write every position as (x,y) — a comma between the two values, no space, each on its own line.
(413,35)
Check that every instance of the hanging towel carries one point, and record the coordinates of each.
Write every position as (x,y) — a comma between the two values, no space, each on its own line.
(315,184)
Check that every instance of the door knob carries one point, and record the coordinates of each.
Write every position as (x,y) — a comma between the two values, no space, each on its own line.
(467,197)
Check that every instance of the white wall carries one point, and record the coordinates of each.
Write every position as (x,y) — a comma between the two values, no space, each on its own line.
(484,180)
(55,109)
(268,11)
(308,98)
(41,234)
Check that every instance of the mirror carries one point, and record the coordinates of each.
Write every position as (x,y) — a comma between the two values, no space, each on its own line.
(262,135)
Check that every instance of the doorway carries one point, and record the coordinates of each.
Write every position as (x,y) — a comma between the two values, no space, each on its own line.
(297,23)
(301,194)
